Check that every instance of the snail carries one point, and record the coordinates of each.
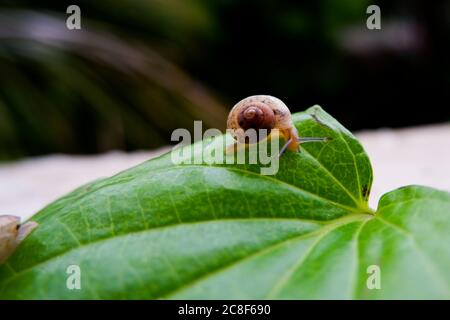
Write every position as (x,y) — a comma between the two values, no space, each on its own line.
(269,113)
(12,234)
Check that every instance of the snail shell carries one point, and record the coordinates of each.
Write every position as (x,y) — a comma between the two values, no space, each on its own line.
(262,112)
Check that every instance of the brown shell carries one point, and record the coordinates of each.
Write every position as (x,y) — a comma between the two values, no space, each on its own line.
(260,112)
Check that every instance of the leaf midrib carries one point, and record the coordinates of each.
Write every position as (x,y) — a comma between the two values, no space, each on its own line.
(16,274)
(328,172)
(292,186)
(321,233)
(341,135)
(355,210)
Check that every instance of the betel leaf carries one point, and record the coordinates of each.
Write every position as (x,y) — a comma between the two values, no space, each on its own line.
(161,230)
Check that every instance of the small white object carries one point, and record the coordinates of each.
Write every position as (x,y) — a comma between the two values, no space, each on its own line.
(12,234)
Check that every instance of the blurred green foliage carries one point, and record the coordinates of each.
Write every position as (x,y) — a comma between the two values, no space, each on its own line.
(111,85)
(139,69)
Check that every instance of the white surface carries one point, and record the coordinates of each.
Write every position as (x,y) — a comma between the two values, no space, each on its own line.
(399,157)
(28,185)
(403,157)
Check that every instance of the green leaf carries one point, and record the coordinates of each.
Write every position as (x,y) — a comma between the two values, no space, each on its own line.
(161,230)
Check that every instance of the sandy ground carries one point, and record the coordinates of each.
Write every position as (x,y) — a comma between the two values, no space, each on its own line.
(418,155)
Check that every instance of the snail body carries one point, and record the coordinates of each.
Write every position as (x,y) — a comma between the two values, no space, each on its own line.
(262,112)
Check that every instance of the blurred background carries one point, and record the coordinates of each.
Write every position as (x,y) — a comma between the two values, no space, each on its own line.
(139,69)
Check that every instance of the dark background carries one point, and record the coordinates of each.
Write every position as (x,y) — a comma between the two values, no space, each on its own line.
(140,69)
